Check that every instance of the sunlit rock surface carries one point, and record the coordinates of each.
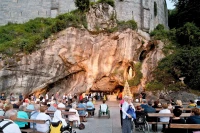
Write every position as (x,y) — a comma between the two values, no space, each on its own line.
(74,61)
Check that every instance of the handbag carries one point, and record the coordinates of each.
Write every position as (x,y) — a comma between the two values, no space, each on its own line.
(131,112)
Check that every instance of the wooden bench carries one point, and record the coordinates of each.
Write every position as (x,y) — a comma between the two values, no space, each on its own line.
(183,109)
(63,112)
(31,130)
(185,126)
(157,115)
(76,108)
(167,115)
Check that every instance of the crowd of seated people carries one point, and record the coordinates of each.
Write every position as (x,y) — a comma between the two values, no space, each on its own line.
(176,109)
(37,109)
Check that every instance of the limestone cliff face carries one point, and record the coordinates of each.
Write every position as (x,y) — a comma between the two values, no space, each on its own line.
(101,16)
(75,61)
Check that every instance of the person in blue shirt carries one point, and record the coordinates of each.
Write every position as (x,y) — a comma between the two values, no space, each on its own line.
(149,109)
(34,114)
(23,115)
(21,97)
(81,112)
(90,106)
(194,118)
(30,106)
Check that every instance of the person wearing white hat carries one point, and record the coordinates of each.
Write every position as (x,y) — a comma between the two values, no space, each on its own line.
(58,117)
(136,100)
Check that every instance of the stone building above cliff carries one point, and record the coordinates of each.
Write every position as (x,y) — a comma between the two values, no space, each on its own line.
(147,13)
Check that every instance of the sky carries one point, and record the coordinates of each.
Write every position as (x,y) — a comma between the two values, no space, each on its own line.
(169,4)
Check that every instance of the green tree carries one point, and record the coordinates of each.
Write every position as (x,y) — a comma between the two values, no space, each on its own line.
(188,35)
(82,4)
(183,63)
(187,11)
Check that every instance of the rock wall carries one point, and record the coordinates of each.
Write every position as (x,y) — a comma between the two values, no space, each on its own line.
(142,11)
(101,17)
(75,61)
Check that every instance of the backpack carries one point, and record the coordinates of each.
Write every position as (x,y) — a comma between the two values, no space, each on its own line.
(5,125)
(81,126)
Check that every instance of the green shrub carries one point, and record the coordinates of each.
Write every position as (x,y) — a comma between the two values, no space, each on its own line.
(122,25)
(154,85)
(109,2)
(47,33)
(27,37)
(188,35)
(60,25)
(30,47)
(82,5)
(160,27)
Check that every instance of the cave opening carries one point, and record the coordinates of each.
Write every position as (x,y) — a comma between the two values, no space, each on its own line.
(143,55)
(118,89)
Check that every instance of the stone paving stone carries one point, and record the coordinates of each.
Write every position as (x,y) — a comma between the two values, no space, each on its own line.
(103,124)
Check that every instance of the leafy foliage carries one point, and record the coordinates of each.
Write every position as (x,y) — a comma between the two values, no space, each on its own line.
(122,25)
(188,35)
(161,34)
(110,2)
(183,63)
(154,85)
(27,37)
(82,5)
(186,11)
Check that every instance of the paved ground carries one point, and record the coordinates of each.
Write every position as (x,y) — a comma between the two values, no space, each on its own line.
(103,124)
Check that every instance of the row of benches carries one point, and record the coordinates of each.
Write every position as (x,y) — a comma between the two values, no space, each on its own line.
(173,125)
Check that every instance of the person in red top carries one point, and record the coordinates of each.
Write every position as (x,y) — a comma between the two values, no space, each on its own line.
(120,96)
(80,97)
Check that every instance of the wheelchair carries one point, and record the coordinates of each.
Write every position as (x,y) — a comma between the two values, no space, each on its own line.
(104,113)
(140,125)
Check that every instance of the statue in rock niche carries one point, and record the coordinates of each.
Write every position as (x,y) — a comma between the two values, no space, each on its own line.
(130,73)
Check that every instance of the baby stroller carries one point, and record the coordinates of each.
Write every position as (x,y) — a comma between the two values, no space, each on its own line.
(140,124)
(56,127)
